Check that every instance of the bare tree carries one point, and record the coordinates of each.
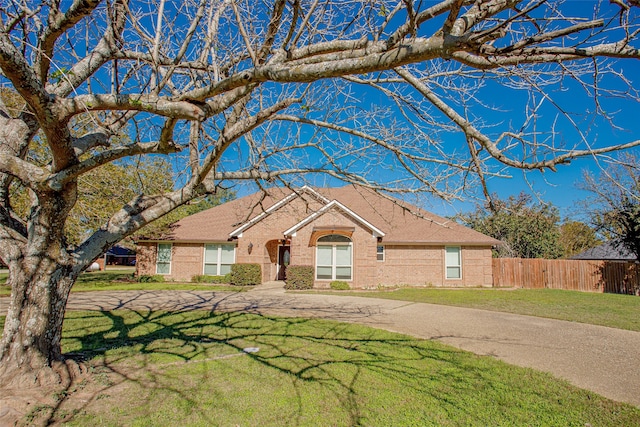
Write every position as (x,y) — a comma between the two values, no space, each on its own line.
(614,206)
(272,91)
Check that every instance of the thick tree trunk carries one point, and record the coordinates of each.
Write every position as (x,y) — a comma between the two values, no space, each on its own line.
(41,279)
(30,345)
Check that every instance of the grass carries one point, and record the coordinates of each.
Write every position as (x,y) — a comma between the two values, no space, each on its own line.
(120,280)
(190,369)
(616,311)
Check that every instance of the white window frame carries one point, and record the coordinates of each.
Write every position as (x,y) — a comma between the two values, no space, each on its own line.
(458,265)
(380,252)
(218,262)
(158,256)
(334,257)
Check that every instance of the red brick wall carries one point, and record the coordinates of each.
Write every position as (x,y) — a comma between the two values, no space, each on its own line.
(186,260)
(403,264)
(410,265)
(477,266)
(425,266)
(364,248)
(267,234)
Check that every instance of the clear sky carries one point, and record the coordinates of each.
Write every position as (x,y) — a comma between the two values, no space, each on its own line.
(504,108)
(560,188)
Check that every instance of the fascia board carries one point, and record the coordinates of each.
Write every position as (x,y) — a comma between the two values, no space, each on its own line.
(305,189)
(334,203)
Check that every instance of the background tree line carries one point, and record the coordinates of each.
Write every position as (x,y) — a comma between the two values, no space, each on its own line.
(534,229)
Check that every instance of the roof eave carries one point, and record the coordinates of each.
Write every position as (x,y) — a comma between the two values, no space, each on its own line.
(334,203)
(305,189)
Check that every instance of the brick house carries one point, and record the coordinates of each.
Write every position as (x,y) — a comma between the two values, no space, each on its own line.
(349,233)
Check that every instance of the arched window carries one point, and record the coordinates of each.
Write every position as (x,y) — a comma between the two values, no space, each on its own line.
(334,258)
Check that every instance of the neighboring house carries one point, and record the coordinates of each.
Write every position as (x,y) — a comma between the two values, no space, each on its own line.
(349,233)
(607,252)
(119,255)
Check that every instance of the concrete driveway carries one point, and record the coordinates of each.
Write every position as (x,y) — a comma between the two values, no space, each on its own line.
(597,358)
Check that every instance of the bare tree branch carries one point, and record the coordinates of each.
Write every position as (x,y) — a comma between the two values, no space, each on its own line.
(58,23)
(437,97)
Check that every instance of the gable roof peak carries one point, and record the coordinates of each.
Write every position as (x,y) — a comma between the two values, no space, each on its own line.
(313,192)
(335,204)
(294,194)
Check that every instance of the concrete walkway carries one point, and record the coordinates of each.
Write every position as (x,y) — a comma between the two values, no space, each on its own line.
(597,358)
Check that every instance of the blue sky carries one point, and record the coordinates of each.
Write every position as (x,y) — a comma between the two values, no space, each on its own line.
(559,187)
(505,108)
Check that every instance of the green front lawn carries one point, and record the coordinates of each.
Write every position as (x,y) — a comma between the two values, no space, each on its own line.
(189,369)
(616,311)
(122,280)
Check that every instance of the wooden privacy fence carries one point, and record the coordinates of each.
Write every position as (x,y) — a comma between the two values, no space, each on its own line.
(577,275)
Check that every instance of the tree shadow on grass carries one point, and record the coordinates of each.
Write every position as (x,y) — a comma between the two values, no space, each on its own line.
(339,361)
(245,367)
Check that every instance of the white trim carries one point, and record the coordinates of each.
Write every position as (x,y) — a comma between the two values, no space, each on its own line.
(204,256)
(459,265)
(306,188)
(382,252)
(334,265)
(218,262)
(238,231)
(334,203)
(170,256)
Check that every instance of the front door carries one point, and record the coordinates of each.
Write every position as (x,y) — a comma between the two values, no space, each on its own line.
(284,259)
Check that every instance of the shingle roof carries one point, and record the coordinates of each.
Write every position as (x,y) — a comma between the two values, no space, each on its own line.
(334,204)
(120,251)
(608,252)
(400,221)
